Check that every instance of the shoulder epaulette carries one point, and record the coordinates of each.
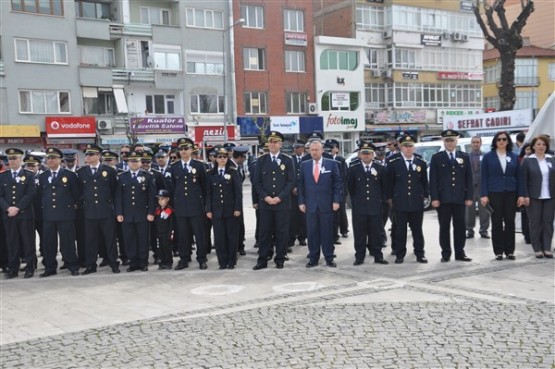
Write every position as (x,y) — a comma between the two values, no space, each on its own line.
(394,159)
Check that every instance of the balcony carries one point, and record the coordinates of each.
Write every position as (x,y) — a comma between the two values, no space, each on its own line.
(98,29)
(132,75)
(2,71)
(117,30)
(527,81)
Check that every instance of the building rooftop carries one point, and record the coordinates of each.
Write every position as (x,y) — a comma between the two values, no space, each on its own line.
(525,51)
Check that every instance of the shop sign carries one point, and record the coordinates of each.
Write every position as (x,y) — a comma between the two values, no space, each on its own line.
(286,125)
(467,5)
(339,123)
(430,40)
(460,76)
(340,100)
(502,120)
(75,127)
(149,125)
(295,39)
(20,140)
(441,113)
(18,130)
(208,133)
(404,116)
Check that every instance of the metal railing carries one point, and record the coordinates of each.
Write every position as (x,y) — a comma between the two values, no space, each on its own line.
(133,75)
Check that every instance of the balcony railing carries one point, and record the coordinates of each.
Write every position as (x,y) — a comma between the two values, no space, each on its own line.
(527,81)
(135,29)
(1,67)
(133,75)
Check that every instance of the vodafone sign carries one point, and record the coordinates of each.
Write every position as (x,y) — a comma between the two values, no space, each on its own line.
(70,127)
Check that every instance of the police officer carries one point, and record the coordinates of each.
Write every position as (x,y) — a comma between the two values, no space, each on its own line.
(98,182)
(59,190)
(33,163)
(451,190)
(367,183)
(407,189)
(17,192)
(238,158)
(189,194)
(135,206)
(224,204)
(274,180)
(297,225)
(110,159)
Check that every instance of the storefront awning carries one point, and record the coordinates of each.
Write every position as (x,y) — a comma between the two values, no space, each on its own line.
(121,101)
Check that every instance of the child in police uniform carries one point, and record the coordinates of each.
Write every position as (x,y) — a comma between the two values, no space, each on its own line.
(163,217)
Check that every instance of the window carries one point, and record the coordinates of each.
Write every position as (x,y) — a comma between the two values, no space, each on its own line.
(199,62)
(551,71)
(91,9)
(44,102)
(526,72)
(375,96)
(48,7)
(344,100)
(339,60)
(296,102)
(370,17)
(40,51)
(255,103)
(293,20)
(424,95)
(294,61)
(253,16)
(526,100)
(160,104)
(155,16)
(207,104)
(97,56)
(406,58)
(166,57)
(103,104)
(205,18)
(253,59)
(492,73)
(375,58)
(492,102)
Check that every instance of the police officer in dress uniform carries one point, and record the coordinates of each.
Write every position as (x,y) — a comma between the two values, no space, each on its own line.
(367,183)
(135,206)
(451,191)
(274,180)
(17,192)
(60,192)
(238,158)
(297,225)
(189,194)
(33,163)
(407,189)
(224,204)
(98,182)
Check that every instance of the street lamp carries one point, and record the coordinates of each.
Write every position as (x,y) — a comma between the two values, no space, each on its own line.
(239,21)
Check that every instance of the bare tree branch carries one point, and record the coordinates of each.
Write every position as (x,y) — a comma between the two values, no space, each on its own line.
(500,10)
(520,21)
(491,23)
(492,40)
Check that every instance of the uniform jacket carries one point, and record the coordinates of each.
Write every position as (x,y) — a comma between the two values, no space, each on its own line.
(320,196)
(367,190)
(163,218)
(274,180)
(19,192)
(493,178)
(59,196)
(451,182)
(98,191)
(188,188)
(407,189)
(225,194)
(135,198)
(531,177)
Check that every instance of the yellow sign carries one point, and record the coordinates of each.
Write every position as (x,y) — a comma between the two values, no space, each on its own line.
(17,130)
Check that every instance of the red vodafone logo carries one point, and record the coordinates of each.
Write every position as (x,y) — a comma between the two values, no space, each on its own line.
(71,127)
(55,125)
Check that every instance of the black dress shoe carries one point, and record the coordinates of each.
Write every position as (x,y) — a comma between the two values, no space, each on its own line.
(279,265)
(75,273)
(302,243)
(311,264)
(381,261)
(131,269)
(399,260)
(289,250)
(469,235)
(255,246)
(47,274)
(125,262)
(231,267)
(115,270)
(484,235)
(222,267)
(331,264)
(181,265)
(63,267)
(358,262)
(104,263)
(344,235)
(143,269)
(463,258)
(89,270)
(422,260)
(29,274)
(337,242)
(511,257)
(286,258)
(259,266)
(242,252)
(548,255)
(445,260)
(202,265)
(498,257)
(11,275)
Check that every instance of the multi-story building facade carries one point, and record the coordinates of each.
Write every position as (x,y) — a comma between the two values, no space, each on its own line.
(424,59)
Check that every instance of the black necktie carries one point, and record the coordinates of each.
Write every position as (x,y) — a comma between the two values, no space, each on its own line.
(221,172)
(410,165)
(53,175)
(273,159)
(14,175)
(452,157)
(367,168)
(93,171)
(134,175)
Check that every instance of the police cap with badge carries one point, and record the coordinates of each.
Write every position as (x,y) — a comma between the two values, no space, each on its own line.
(406,140)
(54,152)
(14,153)
(185,143)
(450,133)
(92,149)
(276,136)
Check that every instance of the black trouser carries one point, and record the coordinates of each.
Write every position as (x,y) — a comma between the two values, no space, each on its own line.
(414,220)
(525,224)
(274,226)
(153,240)
(257,227)
(187,227)
(241,233)
(367,228)
(225,239)
(503,222)
(165,251)
(121,242)
(340,223)
(80,236)
(65,230)
(297,223)
(208,234)
(100,232)
(38,229)
(21,236)
(3,246)
(136,239)
(446,212)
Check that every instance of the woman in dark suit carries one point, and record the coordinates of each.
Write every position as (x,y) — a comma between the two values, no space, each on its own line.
(538,185)
(224,202)
(499,188)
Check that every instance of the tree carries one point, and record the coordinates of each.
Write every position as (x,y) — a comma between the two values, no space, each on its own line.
(507,40)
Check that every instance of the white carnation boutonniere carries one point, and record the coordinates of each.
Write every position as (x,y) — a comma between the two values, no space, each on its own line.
(373,171)
(193,170)
(460,160)
(140,179)
(227,177)
(549,165)
(508,159)
(278,161)
(17,179)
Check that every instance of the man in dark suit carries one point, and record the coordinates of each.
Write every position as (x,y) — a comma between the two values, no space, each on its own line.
(366,182)
(274,180)
(189,195)
(123,152)
(17,192)
(320,192)
(451,190)
(297,225)
(407,189)
(98,182)
(60,192)
(135,206)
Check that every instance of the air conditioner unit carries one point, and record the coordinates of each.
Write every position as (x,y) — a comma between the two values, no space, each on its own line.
(387,73)
(464,38)
(376,73)
(313,109)
(387,34)
(446,35)
(456,36)
(104,125)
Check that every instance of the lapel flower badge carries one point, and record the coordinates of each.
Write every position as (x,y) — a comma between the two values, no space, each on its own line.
(373,171)
(17,179)
(168,175)
(508,159)
(140,179)
(227,177)
(460,160)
